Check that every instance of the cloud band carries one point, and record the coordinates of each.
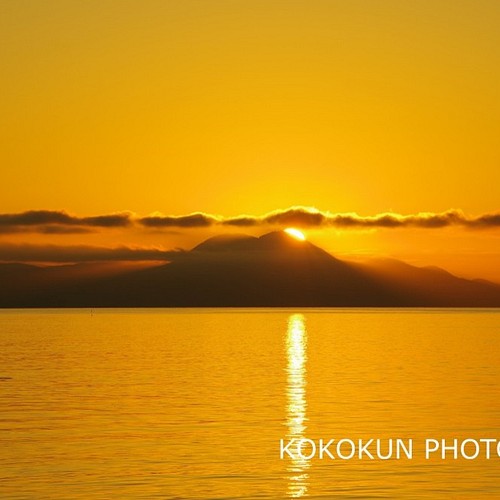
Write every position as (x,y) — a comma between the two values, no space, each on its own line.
(60,222)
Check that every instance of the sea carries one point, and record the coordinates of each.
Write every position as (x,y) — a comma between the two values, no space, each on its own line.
(249,403)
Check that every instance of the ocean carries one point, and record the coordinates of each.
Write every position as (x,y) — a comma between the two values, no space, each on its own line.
(202,403)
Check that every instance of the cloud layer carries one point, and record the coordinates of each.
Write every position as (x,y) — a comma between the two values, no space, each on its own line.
(311,218)
(24,252)
(60,222)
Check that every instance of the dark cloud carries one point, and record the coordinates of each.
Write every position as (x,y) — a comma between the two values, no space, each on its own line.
(241,221)
(59,222)
(10,252)
(488,220)
(192,220)
(391,220)
(112,220)
(36,218)
(296,217)
(310,218)
(55,221)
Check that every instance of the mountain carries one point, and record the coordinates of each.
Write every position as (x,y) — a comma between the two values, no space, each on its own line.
(275,270)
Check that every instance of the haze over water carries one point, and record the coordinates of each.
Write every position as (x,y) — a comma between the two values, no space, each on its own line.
(192,403)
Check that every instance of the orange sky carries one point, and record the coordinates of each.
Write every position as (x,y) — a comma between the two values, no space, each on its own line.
(233,108)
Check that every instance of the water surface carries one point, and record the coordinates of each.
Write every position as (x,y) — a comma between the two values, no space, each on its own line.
(193,403)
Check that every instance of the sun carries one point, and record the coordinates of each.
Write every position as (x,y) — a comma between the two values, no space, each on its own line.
(295,233)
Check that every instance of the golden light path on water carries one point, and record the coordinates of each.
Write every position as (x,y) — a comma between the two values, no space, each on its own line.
(296,347)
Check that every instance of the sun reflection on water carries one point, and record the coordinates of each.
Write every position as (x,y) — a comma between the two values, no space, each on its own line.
(296,346)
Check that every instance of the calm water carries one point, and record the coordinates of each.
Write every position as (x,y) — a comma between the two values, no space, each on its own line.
(193,403)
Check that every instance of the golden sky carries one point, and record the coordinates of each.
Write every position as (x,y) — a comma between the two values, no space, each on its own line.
(246,107)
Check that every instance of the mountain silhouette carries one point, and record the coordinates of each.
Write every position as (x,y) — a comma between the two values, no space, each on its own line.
(275,270)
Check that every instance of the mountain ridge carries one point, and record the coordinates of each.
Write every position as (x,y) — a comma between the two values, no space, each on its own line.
(274,270)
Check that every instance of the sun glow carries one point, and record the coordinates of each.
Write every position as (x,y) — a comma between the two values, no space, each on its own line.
(295,233)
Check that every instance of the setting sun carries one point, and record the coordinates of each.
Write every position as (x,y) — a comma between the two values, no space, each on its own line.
(295,233)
